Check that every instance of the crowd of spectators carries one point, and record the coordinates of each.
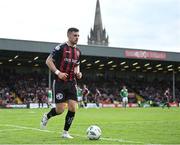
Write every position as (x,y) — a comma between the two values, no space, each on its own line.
(20,88)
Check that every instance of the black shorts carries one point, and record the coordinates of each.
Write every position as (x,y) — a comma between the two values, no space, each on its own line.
(64,91)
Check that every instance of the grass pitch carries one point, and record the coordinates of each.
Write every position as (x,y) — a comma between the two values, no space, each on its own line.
(118,125)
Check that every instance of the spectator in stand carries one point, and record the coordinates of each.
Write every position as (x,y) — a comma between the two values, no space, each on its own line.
(24,87)
(40,100)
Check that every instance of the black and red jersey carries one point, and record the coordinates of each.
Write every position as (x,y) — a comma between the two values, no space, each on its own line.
(66,58)
(85,91)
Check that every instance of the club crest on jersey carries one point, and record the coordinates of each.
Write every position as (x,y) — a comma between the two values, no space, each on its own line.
(57,47)
(59,96)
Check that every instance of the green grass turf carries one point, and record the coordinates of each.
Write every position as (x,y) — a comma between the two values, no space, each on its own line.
(118,125)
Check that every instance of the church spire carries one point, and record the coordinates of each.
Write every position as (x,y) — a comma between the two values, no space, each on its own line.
(98,19)
(98,34)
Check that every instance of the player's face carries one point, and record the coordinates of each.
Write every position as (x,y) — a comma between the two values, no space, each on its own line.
(73,37)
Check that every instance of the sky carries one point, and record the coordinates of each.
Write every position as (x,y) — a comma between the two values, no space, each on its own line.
(138,24)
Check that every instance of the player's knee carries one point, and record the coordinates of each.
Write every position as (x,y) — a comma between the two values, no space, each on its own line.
(59,109)
(72,105)
(72,108)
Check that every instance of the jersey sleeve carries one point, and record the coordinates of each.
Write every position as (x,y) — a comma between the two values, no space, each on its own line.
(56,52)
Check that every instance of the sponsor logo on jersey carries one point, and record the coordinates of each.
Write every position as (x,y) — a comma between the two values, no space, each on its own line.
(70,60)
(68,52)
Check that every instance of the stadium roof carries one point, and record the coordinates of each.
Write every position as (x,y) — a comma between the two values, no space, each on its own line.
(33,53)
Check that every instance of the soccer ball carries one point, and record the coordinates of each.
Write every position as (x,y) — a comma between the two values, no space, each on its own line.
(93,132)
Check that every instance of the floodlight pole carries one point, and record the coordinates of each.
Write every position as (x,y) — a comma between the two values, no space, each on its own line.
(49,79)
(174,94)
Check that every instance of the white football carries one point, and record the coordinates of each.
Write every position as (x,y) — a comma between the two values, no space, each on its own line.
(93,132)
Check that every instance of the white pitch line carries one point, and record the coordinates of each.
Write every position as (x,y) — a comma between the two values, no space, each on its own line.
(24,127)
(112,139)
(15,129)
(120,140)
(102,138)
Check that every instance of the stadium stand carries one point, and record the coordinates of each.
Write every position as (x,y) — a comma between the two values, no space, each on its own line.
(146,73)
(32,87)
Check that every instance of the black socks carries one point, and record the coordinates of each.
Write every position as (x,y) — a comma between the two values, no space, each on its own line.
(52,113)
(68,120)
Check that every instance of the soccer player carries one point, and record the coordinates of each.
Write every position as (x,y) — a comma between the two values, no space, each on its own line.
(97,97)
(64,61)
(124,96)
(80,97)
(49,98)
(166,98)
(85,95)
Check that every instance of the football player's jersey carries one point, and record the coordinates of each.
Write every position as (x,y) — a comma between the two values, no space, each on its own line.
(66,58)
(79,92)
(124,93)
(85,91)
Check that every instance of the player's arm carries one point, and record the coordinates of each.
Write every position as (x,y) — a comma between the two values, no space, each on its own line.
(121,93)
(99,93)
(77,67)
(77,72)
(88,92)
(52,67)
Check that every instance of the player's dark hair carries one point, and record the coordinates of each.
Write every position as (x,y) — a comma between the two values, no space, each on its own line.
(73,30)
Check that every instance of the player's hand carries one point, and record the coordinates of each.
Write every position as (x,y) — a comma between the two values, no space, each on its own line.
(79,75)
(63,76)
